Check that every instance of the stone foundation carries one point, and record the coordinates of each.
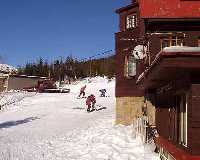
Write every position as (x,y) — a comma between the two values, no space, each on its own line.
(151,113)
(130,108)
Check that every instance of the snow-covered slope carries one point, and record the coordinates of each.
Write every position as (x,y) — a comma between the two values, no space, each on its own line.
(57,127)
(7,68)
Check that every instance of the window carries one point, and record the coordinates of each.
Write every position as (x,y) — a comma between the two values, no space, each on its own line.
(130,66)
(131,21)
(170,40)
(183,121)
(199,42)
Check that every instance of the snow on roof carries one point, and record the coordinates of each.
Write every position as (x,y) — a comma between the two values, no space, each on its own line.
(7,68)
(36,77)
(181,49)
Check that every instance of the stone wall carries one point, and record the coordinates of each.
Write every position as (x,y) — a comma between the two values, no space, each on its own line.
(129,109)
(151,113)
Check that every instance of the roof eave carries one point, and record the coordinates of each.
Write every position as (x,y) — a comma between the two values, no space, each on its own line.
(127,7)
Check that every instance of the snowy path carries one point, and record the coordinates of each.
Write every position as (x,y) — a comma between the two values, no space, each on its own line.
(57,127)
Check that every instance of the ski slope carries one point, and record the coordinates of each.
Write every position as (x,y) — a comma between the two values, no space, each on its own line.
(52,126)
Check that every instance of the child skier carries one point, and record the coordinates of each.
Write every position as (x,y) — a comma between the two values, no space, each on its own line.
(90,102)
(82,91)
(103,92)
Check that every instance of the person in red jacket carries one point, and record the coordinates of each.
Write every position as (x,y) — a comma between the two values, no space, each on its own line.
(90,102)
(82,91)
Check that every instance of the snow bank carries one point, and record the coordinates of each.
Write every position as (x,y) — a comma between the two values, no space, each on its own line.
(101,141)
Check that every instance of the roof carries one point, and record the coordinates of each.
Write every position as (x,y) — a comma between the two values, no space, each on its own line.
(127,7)
(170,8)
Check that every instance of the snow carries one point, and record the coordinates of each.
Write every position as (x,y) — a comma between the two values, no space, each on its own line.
(181,49)
(10,98)
(7,68)
(55,126)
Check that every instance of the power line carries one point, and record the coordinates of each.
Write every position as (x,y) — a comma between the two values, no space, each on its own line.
(95,55)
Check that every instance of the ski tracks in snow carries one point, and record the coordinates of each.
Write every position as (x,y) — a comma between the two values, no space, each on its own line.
(57,127)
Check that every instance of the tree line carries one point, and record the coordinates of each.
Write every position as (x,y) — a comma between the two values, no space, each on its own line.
(70,67)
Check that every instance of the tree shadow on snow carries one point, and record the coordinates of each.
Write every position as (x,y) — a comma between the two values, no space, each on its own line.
(16,123)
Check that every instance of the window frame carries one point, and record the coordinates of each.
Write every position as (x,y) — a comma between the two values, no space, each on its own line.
(131,21)
(198,42)
(126,66)
(179,40)
(182,120)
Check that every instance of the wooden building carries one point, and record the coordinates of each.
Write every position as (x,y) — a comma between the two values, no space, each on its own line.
(129,96)
(130,43)
(166,72)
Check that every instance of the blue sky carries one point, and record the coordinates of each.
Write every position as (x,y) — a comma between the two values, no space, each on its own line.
(30,29)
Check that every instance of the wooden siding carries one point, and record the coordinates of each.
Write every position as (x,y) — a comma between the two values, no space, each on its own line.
(194,119)
(157,25)
(126,87)
(167,105)
(167,116)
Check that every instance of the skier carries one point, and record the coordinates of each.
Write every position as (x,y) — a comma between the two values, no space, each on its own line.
(90,102)
(82,91)
(103,92)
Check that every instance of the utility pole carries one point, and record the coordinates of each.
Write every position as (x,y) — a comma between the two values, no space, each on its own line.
(90,66)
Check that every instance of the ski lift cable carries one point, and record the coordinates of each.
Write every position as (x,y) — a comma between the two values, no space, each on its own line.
(91,57)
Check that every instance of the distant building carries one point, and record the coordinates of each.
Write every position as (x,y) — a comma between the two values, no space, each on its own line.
(9,80)
(158,62)
(5,71)
(18,82)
